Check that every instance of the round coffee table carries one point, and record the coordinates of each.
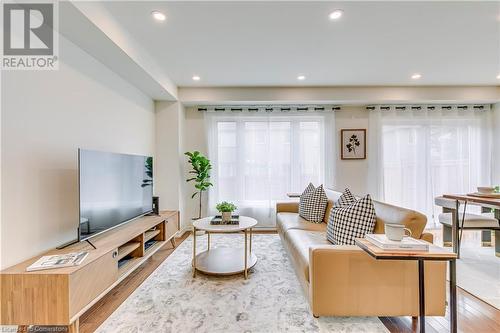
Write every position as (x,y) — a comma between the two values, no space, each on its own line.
(222,260)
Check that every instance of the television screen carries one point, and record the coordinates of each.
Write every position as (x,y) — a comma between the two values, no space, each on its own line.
(114,188)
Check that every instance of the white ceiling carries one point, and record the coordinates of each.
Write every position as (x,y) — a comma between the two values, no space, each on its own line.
(271,43)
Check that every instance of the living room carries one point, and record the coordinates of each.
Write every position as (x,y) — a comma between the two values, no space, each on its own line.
(225,113)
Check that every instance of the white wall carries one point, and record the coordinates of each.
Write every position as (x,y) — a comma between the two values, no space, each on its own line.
(194,138)
(166,166)
(46,116)
(177,130)
(351,173)
(348,95)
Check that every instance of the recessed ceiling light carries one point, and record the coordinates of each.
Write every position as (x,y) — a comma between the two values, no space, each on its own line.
(416,76)
(498,76)
(336,14)
(196,78)
(301,77)
(159,16)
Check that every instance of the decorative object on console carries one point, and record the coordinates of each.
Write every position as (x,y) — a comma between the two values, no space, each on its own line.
(313,202)
(58,261)
(201,169)
(396,232)
(156,205)
(347,223)
(353,144)
(226,209)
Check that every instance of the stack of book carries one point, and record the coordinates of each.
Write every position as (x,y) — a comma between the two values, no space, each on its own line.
(235,220)
(406,244)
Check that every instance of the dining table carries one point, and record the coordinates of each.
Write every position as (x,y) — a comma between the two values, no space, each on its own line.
(478,200)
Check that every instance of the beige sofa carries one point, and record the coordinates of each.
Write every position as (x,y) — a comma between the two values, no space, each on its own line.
(342,280)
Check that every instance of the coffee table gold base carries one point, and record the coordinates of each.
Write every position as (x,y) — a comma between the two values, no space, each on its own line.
(224,261)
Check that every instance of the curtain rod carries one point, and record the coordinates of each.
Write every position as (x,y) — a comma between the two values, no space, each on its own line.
(433,107)
(270,108)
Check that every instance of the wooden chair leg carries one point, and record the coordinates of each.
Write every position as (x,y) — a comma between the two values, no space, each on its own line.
(22,328)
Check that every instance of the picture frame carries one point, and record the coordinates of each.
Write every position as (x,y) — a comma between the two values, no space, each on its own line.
(353,144)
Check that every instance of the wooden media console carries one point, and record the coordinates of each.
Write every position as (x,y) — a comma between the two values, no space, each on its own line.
(60,296)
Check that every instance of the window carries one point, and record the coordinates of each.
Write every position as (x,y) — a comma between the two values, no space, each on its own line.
(425,155)
(258,159)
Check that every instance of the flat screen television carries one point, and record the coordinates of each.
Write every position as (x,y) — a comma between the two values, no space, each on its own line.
(113,189)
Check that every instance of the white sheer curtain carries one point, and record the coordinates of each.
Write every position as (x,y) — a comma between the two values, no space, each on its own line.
(418,155)
(258,158)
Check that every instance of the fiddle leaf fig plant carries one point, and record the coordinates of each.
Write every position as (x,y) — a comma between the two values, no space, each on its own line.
(149,173)
(201,175)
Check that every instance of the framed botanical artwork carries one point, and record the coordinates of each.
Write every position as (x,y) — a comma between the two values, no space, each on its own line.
(353,144)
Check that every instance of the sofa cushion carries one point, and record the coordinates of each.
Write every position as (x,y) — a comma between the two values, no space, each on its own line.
(313,204)
(351,222)
(299,242)
(286,221)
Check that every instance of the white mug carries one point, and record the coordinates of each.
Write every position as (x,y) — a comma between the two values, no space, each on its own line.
(396,232)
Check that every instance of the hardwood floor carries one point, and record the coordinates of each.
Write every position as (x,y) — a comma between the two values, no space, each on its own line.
(473,314)
(98,313)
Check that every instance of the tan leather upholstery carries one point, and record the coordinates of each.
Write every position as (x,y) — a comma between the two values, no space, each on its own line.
(299,243)
(342,280)
(287,221)
(345,281)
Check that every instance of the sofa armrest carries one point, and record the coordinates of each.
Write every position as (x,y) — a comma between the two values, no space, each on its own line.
(287,207)
(346,281)
(427,236)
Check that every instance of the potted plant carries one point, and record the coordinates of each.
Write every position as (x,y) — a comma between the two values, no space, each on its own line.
(226,209)
(201,171)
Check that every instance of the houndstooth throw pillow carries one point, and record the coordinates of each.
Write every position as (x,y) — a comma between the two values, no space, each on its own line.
(313,204)
(309,188)
(346,199)
(347,223)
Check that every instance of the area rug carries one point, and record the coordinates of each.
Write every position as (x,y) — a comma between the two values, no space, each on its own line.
(271,300)
(478,272)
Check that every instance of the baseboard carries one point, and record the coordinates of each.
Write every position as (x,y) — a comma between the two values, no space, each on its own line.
(181,232)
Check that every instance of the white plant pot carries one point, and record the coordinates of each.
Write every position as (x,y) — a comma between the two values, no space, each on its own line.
(226,217)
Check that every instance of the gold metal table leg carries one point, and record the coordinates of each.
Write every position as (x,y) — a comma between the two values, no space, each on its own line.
(246,254)
(250,250)
(194,252)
